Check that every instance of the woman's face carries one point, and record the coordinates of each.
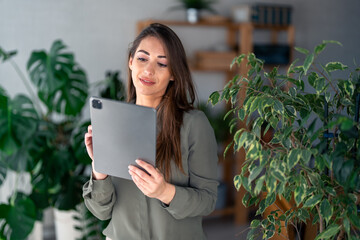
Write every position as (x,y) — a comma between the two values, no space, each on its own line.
(150,71)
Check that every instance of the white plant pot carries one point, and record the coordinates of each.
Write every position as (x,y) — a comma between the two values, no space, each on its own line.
(37,232)
(65,225)
(192,15)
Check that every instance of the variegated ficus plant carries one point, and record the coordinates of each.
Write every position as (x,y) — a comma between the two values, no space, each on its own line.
(313,158)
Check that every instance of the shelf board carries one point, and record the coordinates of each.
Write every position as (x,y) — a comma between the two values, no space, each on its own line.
(228,24)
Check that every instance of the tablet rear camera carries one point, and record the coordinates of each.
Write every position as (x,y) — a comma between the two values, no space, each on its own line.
(96,104)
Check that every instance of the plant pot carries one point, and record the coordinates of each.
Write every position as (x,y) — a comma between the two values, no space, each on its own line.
(37,232)
(192,15)
(65,225)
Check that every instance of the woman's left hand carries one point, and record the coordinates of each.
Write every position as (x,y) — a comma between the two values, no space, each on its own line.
(153,185)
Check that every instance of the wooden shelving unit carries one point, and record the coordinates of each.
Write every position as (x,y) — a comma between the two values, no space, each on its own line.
(238,36)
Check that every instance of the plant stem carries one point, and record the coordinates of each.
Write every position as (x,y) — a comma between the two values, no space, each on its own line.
(321,221)
(341,235)
(332,86)
(27,86)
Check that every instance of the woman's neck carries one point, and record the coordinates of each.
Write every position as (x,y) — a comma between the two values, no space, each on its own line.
(148,102)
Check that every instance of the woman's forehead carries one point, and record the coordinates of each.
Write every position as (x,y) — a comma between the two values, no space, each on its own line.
(152,45)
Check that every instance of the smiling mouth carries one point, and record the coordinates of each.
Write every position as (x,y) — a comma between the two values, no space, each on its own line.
(146,82)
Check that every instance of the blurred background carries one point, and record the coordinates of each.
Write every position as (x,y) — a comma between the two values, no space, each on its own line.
(98,33)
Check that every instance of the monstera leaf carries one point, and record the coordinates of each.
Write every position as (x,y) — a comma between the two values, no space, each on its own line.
(4,56)
(61,83)
(18,123)
(19,218)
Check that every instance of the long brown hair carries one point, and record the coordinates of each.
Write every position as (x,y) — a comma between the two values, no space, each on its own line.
(179,96)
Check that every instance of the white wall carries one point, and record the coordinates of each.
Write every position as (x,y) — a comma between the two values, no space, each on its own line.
(99,32)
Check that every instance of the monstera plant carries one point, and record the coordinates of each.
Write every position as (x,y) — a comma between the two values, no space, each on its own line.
(312,160)
(41,136)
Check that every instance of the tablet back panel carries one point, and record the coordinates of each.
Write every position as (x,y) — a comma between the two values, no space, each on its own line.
(122,133)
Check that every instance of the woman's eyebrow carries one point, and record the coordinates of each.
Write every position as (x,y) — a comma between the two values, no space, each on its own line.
(145,52)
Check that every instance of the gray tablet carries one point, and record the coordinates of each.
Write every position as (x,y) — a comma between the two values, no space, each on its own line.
(122,133)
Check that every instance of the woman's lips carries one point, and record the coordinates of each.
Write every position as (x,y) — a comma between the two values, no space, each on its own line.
(146,82)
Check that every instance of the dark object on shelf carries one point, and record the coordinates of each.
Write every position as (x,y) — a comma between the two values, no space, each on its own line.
(273,54)
(263,14)
(268,14)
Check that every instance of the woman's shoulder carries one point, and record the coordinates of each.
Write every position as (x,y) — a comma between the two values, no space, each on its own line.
(194,114)
(195,118)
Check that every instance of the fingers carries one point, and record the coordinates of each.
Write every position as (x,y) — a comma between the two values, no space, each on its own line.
(148,167)
(88,141)
(135,171)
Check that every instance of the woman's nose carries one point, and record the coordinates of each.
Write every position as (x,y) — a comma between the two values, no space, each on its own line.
(149,69)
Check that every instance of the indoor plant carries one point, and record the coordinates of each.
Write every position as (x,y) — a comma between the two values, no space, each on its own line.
(41,136)
(313,158)
(193,8)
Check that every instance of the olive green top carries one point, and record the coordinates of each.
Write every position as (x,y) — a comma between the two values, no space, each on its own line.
(136,216)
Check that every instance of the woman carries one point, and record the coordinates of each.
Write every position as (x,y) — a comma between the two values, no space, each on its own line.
(170,202)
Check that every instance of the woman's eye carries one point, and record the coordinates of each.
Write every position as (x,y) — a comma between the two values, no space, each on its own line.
(141,59)
(162,65)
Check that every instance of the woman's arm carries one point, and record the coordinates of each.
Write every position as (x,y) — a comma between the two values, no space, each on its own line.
(99,197)
(98,192)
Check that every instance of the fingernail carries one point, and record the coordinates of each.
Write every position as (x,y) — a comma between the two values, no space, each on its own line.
(137,161)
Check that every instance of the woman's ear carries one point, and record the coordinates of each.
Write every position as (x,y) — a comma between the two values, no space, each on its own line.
(171,78)
(130,63)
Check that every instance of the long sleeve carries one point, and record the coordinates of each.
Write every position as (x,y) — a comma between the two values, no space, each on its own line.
(199,197)
(99,197)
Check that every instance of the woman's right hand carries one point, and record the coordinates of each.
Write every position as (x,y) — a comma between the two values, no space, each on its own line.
(89,149)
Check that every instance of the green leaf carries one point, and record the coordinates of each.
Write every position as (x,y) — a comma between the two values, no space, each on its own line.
(254,173)
(23,211)
(227,148)
(242,140)
(278,107)
(303,214)
(299,195)
(259,184)
(302,50)
(237,182)
(241,114)
(332,41)
(279,175)
(308,61)
(354,219)
(270,183)
(270,199)
(61,83)
(319,48)
(228,113)
(293,158)
(326,210)
(313,200)
(255,223)
(346,224)
(261,208)
(330,231)
(5,56)
(18,123)
(214,98)
(333,66)
(306,155)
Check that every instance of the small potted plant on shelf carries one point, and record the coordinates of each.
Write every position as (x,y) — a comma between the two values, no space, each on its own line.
(193,8)
(312,160)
